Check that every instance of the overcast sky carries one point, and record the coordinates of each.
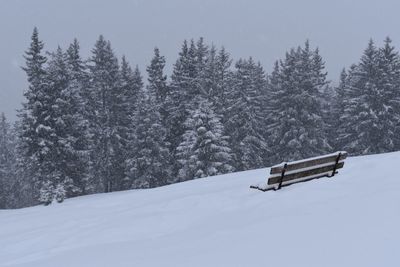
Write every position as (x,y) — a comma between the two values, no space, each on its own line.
(263,29)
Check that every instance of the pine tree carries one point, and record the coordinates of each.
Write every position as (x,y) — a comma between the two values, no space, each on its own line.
(222,83)
(149,166)
(156,78)
(202,60)
(337,111)
(179,99)
(78,117)
(157,84)
(389,62)
(370,118)
(244,115)
(104,105)
(208,75)
(33,133)
(7,164)
(132,84)
(204,150)
(214,78)
(297,129)
(69,146)
(59,150)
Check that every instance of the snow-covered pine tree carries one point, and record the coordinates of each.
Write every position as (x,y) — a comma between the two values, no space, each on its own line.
(208,75)
(47,144)
(244,116)
(156,77)
(358,116)
(60,153)
(327,94)
(179,101)
(389,62)
(201,54)
(336,112)
(371,113)
(78,119)
(202,59)
(157,82)
(123,105)
(149,165)
(222,83)
(34,131)
(69,145)
(297,127)
(204,150)
(214,78)
(7,164)
(131,85)
(104,101)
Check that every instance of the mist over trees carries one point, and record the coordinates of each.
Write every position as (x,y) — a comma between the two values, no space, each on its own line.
(94,125)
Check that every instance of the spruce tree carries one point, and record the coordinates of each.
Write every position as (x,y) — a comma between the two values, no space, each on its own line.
(59,150)
(104,105)
(7,164)
(208,76)
(132,85)
(69,146)
(370,118)
(157,85)
(156,78)
(179,101)
(33,133)
(337,111)
(244,116)
(204,150)
(296,128)
(389,62)
(222,83)
(149,165)
(78,119)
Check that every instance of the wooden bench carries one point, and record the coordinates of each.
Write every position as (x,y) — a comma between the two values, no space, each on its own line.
(288,173)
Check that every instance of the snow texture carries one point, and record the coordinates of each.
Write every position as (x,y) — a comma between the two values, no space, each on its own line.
(349,220)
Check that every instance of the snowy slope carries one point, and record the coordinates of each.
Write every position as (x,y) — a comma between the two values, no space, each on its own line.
(352,219)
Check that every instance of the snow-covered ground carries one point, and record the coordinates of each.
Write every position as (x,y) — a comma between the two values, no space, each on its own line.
(352,220)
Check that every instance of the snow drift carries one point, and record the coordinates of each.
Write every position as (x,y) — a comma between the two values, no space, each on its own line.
(349,220)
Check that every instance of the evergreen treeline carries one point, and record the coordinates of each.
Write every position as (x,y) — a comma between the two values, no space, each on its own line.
(93,125)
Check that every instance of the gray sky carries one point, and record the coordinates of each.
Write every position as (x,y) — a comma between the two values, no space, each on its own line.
(263,29)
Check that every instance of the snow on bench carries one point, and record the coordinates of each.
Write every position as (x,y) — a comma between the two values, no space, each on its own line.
(288,173)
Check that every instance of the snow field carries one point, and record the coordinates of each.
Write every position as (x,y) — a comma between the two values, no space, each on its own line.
(349,220)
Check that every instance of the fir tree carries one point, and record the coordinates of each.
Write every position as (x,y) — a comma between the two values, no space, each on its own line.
(204,150)
(244,115)
(78,117)
(337,111)
(370,118)
(222,83)
(297,129)
(156,78)
(179,99)
(104,105)
(208,76)
(149,166)
(69,146)
(7,164)
(157,84)
(389,62)
(59,150)
(33,133)
(132,85)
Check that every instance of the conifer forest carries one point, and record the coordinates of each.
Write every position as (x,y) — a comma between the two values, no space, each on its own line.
(95,124)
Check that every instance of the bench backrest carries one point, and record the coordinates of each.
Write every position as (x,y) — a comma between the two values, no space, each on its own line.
(303,170)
